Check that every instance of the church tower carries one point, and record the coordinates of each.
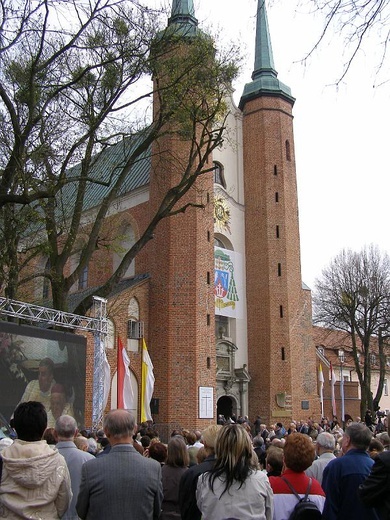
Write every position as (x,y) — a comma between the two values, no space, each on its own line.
(280,362)
(181,321)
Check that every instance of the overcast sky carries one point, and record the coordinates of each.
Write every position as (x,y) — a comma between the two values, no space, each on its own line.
(341,134)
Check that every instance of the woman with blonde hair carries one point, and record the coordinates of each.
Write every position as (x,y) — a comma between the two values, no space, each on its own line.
(234,487)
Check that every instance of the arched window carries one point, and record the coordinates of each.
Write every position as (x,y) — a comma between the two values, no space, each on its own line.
(221,240)
(219,177)
(134,325)
(81,282)
(110,338)
(126,239)
(83,278)
(133,309)
(46,281)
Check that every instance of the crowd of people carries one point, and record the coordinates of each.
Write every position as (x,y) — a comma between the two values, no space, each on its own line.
(233,470)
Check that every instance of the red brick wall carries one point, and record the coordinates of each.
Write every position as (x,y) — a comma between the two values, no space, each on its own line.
(181,256)
(182,343)
(273,266)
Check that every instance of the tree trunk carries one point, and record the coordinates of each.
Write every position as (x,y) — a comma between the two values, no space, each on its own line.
(366,402)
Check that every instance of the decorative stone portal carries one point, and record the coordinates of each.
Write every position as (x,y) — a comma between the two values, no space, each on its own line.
(232,383)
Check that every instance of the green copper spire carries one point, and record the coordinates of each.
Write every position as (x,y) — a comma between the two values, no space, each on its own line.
(264,61)
(183,16)
(264,76)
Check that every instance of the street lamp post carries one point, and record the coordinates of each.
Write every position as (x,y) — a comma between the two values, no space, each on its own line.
(342,359)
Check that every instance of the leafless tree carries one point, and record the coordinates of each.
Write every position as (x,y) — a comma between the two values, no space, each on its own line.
(353,295)
(75,80)
(357,21)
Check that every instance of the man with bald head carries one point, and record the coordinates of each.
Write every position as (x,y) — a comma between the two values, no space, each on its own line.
(123,485)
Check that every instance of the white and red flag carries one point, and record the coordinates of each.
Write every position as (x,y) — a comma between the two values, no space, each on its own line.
(125,394)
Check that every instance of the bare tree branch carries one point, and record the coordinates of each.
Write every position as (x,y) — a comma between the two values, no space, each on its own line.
(353,295)
(357,21)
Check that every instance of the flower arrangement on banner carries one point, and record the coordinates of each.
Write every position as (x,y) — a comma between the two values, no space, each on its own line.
(11,356)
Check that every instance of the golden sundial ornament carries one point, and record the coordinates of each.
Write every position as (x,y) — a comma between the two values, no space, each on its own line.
(221,214)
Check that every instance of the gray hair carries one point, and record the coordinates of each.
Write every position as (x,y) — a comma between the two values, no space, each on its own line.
(66,426)
(258,441)
(92,445)
(326,440)
(359,434)
(384,438)
(119,423)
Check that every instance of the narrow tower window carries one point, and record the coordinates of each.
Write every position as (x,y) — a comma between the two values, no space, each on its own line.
(281,311)
(279,269)
(276,197)
(283,354)
(277,232)
(288,150)
(208,277)
(275,170)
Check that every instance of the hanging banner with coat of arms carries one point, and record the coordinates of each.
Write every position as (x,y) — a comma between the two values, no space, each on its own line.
(228,288)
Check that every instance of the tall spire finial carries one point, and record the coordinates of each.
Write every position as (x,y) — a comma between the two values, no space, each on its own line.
(183,13)
(264,77)
(264,61)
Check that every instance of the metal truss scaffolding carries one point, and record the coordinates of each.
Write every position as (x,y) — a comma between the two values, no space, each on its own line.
(97,324)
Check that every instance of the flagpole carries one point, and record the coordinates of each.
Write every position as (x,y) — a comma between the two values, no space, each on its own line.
(321,380)
(332,383)
(342,359)
(143,381)
(118,373)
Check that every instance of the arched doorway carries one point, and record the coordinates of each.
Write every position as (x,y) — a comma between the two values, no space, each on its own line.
(226,406)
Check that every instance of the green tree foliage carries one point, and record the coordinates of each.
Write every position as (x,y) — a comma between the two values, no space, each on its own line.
(74,81)
(353,295)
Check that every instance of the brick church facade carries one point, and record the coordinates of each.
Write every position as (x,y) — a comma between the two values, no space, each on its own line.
(226,317)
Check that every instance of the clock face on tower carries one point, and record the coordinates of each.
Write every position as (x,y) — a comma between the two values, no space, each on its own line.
(221,213)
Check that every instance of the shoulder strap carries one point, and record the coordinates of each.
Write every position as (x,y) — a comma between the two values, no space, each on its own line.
(293,490)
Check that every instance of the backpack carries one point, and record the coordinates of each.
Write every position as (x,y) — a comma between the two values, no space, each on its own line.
(305,509)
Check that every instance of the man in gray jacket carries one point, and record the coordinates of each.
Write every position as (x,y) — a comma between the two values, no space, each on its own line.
(325,445)
(65,431)
(123,485)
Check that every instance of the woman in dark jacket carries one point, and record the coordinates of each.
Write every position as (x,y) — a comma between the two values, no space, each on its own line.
(176,464)
(375,490)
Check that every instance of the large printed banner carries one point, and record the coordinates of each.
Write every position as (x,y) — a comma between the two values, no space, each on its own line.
(43,365)
(228,283)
